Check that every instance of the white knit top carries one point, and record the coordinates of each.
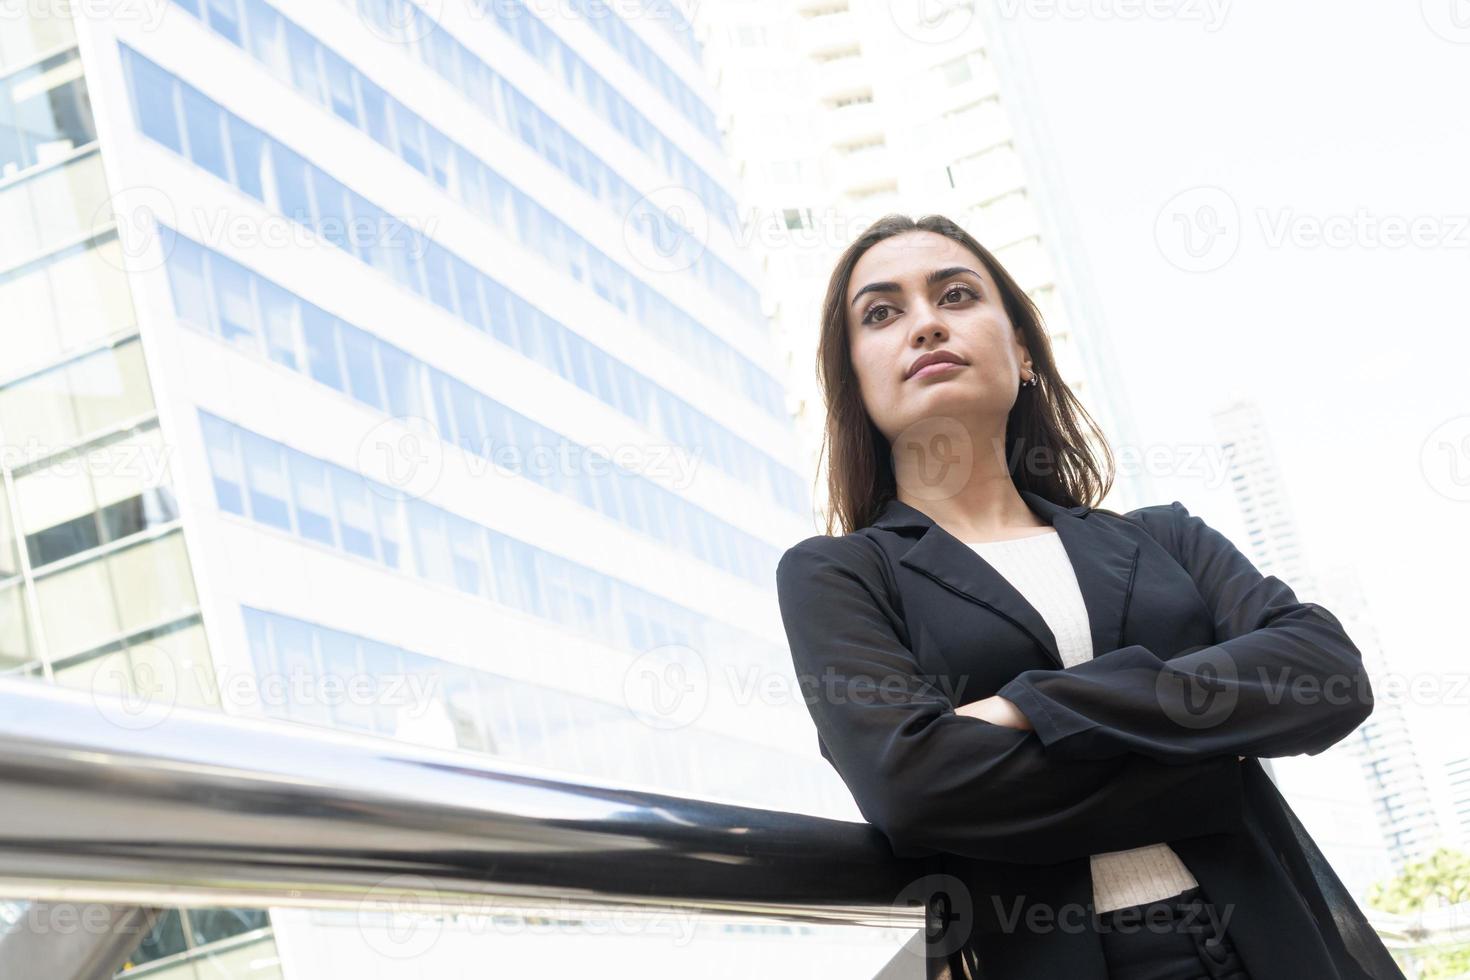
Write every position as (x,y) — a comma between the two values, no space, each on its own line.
(1039,568)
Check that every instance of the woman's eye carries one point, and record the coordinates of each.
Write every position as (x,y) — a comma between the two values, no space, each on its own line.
(965,290)
(870,316)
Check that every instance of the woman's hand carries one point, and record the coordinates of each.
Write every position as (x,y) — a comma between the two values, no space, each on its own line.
(996,710)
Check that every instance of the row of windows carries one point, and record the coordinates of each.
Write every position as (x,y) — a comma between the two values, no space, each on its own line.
(85,605)
(44,113)
(626,42)
(220,296)
(301,61)
(315,500)
(78,501)
(668,16)
(62,295)
(416,31)
(271,173)
(428,700)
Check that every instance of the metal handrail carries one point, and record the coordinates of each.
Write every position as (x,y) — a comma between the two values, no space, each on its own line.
(107,803)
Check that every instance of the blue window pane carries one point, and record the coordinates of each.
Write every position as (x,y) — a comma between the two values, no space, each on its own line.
(465,280)
(629,390)
(405,249)
(577,356)
(581,482)
(331,209)
(224,18)
(440,384)
(278,317)
(442,56)
(323,361)
(290,172)
(266,478)
(313,500)
(294,647)
(153,99)
(366,234)
(499,429)
(479,86)
(382,660)
(602,384)
(186,281)
(339,660)
(375,112)
(529,587)
(354,512)
(232,299)
(257,638)
(471,437)
(247,148)
(192,6)
(206,144)
(628,487)
(304,73)
(556,355)
(469,561)
(224,464)
(431,550)
(497,309)
(470,189)
(381,15)
(268,38)
(339,87)
(525,438)
(610,503)
(438,155)
(389,513)
(401,378)
(410,137)
(436,270)
(362,373)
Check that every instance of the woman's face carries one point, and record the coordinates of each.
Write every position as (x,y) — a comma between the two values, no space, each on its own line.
(896,312)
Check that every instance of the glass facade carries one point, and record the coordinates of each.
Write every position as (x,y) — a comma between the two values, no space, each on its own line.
(636,52)
(96,588)
(415,697)
(163,104)
(275,485)
(217,295)
(99,590)
(324,77)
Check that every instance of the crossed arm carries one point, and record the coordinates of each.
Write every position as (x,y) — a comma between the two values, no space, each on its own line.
(932,779)
(1283,677)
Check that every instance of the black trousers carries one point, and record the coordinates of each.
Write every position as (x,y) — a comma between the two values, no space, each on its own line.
(1179,938)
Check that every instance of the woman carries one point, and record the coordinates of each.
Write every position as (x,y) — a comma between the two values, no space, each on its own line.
(1056,708)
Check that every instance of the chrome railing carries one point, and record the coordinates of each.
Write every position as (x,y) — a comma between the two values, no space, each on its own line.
(109,804)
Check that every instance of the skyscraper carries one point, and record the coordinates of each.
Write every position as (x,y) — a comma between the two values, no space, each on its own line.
(840,111)
(355,346)
(1347,795)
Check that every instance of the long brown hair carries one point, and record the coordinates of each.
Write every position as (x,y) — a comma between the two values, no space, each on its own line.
(860,477)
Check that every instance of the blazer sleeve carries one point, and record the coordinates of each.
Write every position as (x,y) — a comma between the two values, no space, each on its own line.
(932,780)
(1282,678)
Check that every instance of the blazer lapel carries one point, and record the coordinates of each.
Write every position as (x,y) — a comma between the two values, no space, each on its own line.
(1103,560)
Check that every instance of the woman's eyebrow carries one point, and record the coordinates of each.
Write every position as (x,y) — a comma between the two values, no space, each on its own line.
(929,280)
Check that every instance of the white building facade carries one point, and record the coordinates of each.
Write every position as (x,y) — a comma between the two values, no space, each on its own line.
(404,375)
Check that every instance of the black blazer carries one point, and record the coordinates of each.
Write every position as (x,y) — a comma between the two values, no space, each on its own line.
(1198,659)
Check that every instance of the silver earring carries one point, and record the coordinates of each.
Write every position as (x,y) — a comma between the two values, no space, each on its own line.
(1031,382)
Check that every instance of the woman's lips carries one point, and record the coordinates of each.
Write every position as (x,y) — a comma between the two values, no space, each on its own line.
(938,367)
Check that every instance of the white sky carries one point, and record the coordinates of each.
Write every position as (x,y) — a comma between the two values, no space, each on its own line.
(1356,353)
